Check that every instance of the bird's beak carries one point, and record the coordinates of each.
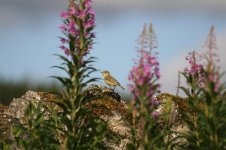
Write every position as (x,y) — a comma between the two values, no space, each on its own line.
(102,72)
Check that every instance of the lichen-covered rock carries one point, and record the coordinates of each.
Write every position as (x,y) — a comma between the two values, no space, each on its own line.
(14,113)
(173,106)
(6,121)
(105,104)
(109,106)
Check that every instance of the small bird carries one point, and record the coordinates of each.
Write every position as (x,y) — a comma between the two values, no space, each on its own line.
(109,80)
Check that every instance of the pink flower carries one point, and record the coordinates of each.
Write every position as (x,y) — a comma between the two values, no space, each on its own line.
(88,3)
(136,93)
(140,81)
(67,52)
(65,49)
(72,10)
(157,72)
(149,93)
(154,101)
(71,25)
(90,11)
(72,28)
(64,14)
(146,70)
(63,40)
(155,114)
(130,77)
(211,78)
(62,27)
(192,71)
(81,14)
(62,47)
(130,87)
(89,24)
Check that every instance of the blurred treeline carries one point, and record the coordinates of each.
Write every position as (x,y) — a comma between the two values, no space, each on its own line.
(15,89)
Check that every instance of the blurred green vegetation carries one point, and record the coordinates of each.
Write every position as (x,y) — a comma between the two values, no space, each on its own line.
(15,89)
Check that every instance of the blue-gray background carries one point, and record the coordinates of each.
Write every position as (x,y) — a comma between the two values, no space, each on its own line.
(29,31)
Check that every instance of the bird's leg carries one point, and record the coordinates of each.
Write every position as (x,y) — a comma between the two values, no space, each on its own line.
(114,88)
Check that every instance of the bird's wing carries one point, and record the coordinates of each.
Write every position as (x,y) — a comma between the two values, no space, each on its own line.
(112,80)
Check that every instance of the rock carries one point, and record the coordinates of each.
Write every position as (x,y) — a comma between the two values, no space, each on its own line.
(105,104)
(14,113)
(114,111)
(108,105)
(173,106)
(6,121)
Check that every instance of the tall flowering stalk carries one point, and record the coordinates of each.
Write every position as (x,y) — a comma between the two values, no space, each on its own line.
(212,67)
(206,118)
(143,77)
(71,126)
(195,76)
(78,25)
(79,127)
(213,116)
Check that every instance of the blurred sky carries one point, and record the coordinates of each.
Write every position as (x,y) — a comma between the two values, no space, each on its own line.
(29,31)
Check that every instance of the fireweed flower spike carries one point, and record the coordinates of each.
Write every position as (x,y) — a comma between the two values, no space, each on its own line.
(79,21)
(81,125)
(212,57)
(195,70)
(146,70)
(72,126)
(143,73)
(143,85)
(206,116)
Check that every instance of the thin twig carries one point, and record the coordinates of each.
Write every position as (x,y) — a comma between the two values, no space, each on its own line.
(178,84)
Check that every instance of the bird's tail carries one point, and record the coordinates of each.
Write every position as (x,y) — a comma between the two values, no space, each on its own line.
(122,87)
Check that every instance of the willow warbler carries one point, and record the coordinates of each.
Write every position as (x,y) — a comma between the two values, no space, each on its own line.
(109,80)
